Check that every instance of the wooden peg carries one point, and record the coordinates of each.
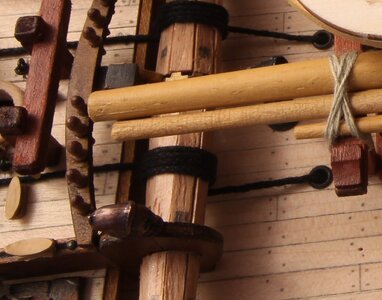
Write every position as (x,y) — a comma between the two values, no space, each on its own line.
(16,200)
(31,247)
(42,87)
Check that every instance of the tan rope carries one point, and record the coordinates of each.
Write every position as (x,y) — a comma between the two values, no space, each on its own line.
(341,69)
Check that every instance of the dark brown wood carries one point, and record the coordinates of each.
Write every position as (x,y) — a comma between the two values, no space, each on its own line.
(68,257)
(349,156)
(30,30)
(85,66)
(68,289)
(349,165)
(42,87)
(12,120)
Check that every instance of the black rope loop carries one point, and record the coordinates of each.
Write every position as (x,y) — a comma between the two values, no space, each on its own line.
(183,11)
(179,160)
(319,177)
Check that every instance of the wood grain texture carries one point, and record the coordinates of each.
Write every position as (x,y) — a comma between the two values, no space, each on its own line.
(302,109)
(178,198)
(346,19)
(320,223)
(41,90)
(293,80)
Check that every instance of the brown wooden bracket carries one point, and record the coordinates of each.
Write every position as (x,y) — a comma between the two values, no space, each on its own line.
(350,167)
(132,231)
(67,257)
(32,29)
(42,86)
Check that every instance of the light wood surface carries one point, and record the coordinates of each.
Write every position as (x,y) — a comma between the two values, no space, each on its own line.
(346,18)
(179,198)
(29,247)
(16,198)
(261,114)
(275,83)
(302,243)
(371,124)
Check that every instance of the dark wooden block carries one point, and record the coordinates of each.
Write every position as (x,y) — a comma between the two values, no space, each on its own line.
(12,120)
(350,167)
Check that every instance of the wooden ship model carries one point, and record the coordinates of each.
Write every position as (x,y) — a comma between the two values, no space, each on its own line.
(131,170)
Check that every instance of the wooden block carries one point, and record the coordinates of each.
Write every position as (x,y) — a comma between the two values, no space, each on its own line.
(68,289)
(12,120)
(41,90)
(349,165)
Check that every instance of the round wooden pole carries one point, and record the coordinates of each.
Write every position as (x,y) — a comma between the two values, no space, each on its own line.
(271,113)
(370,124)
(281,82)
(174,275)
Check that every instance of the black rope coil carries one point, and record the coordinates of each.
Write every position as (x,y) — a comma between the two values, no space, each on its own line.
(193,12)
(179,160)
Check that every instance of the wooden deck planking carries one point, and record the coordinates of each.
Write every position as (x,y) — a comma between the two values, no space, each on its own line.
(282,243)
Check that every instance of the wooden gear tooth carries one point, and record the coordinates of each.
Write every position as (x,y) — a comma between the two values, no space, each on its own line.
(75,177)
(75,125)
(76,149)
(79,104)
(79,203)
(91,35)
(95,15)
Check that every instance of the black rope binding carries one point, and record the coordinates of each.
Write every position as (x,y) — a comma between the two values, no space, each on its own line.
(193,12)
(179,160)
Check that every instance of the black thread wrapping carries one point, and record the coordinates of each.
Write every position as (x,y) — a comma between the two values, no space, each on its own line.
(193,12)
(179,160)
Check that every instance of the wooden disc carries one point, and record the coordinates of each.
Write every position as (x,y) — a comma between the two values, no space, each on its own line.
(15,199)
(357,19)
(35,246)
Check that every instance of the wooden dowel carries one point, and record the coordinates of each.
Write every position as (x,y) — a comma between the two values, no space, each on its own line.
(281,82)
(271,113)
(370,124)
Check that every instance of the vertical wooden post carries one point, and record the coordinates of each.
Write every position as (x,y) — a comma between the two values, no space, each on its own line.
(191,49)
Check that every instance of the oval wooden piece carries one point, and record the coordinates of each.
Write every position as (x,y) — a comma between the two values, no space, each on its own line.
(15,199)
(356,19)
(29,247)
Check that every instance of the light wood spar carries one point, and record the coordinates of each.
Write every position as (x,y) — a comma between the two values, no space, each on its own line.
(174,275)
(270,113)
(275,83)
